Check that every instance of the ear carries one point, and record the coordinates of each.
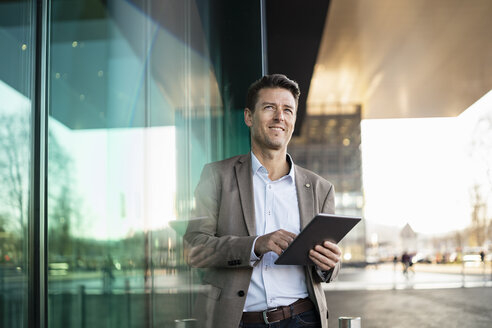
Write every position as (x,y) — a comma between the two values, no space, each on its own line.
(248,117)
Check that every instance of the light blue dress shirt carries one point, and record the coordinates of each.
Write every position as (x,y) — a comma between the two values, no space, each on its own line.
(276,208)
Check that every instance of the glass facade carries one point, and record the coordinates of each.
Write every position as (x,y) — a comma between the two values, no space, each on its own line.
(139,96)
(16,98)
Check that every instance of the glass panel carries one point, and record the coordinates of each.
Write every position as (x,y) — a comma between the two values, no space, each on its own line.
(136,108)
(16,74)
(330,146)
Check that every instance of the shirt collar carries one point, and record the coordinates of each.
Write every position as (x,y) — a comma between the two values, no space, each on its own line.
(256,165)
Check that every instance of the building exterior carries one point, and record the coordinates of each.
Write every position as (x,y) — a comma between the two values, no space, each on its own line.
(330,145)
(108,112)
(110,108)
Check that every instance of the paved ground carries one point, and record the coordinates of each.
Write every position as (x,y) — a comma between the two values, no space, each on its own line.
(432,296)
(402,308)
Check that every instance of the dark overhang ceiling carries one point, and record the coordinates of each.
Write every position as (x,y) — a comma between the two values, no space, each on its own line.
(229,33)
(405,58)
(294,30)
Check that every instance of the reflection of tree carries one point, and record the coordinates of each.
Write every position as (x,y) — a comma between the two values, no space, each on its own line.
(15,161)
(14,179)
(10,244)
(62,210)
(481,192)
(60,199)
(479,216)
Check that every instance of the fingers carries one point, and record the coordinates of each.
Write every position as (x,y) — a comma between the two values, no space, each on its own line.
(283,238)
(276,242)
(325,256)
(268,243)
(276,248)
(333,247)
(288,233)
(322,265)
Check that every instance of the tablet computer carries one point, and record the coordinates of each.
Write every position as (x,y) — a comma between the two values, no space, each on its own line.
(323,227)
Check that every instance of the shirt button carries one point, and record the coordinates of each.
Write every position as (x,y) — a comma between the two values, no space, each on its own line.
(269,186)
(240,293)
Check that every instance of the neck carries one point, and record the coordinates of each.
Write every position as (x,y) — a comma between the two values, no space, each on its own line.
(275,161)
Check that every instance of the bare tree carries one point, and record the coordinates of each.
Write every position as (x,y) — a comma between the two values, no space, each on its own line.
(14,169)
(15,162)
(62,207)
(479,219)
(481,191)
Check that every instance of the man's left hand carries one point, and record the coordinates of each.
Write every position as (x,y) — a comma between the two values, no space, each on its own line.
(325,256)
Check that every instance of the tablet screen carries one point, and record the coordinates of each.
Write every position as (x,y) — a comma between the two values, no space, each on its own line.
(323,227)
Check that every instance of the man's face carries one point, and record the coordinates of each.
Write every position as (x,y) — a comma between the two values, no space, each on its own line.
(272,122)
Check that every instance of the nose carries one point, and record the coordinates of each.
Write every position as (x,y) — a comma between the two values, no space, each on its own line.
(279,115)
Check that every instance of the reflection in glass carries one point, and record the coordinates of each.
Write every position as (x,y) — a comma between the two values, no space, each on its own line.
(476,123)
(15,156)
(135,111)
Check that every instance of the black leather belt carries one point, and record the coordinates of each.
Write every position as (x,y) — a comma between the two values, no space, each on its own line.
(278,314)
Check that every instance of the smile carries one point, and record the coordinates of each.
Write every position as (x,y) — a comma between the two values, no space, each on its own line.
(277,128)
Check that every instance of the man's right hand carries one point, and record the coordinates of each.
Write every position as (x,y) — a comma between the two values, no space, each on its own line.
(276,242)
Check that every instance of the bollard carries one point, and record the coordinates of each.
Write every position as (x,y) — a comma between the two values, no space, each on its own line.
(128,303)
(463,274)
(186,323)
(82,305)
(349,322)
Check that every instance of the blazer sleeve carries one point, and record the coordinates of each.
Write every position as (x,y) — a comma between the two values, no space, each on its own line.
(328,207)
(202,245)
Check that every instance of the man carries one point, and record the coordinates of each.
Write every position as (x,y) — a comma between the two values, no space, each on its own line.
(250,208)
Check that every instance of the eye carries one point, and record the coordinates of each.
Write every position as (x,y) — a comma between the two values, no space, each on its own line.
(269,107)
(289,111)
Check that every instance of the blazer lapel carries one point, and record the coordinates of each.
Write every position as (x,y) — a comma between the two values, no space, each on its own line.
(245,185)
(305,197)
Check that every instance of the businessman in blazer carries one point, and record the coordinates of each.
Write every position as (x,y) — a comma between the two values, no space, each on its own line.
(249,208)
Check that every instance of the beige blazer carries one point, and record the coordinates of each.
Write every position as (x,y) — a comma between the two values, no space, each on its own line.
(221,237)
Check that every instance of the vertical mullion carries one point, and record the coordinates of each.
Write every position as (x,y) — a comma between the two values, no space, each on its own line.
(37,236)
(148,41)
(264,54)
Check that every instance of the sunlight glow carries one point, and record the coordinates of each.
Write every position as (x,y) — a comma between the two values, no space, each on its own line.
(419,171)
(126,178)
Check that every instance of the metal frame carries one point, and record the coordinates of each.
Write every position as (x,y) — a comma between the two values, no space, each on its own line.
(37,223)
(264,41)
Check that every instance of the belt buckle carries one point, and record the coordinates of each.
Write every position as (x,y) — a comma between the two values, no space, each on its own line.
(265,317)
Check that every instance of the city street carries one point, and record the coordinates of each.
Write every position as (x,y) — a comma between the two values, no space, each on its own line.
(384,297)
(411,308)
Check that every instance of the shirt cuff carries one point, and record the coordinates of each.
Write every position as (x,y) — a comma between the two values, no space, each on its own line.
(253,258)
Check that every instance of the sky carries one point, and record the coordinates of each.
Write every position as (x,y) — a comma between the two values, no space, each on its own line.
(418,171)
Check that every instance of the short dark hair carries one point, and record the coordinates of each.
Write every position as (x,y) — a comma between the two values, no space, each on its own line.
(271,81)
